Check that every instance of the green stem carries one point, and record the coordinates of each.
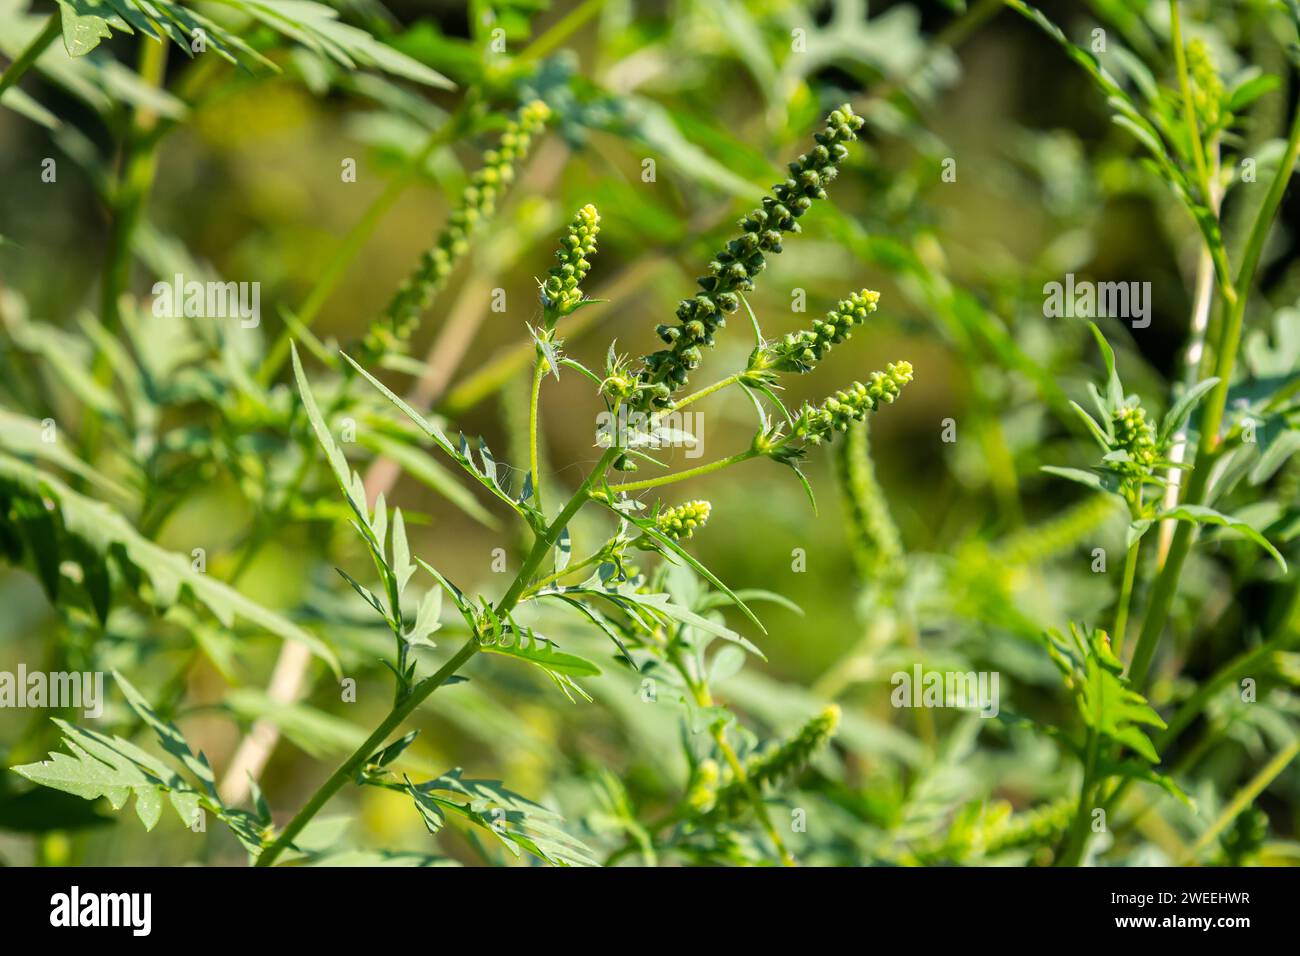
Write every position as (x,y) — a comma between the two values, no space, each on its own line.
(348,769)
(1245,797)
(422,690)
(1240,666)
(552,578)
(498,370)
(1079,830)
(1162,594)
(127,201)
(560,31)
(708,390)
(689,473)
(699,688)
(539,372)
(1189,107)
(138,169)
(1125,598)
(546,541)
(14,72)
(755,798)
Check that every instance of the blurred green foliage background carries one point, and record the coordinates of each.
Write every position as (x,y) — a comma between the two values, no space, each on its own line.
(248,188)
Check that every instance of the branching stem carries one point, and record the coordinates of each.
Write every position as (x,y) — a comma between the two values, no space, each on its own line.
(348,769)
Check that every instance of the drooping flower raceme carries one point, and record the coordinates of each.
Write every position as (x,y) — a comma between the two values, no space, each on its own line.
(733,270)
(780,764)
(799,351)
(478,203)
(818,424)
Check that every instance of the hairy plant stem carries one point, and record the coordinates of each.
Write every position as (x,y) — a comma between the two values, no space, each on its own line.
(349,767)
(28,57)
(1125,598)
(708,390)
(1166,584)
(347,770)
(689,473)
(539,372)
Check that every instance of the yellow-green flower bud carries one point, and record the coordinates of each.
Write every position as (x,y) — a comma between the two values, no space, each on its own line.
(852,404)
(798,351)
(560,291)
(704,788)
(680,523)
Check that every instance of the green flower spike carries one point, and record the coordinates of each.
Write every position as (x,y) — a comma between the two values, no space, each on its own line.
(679,523)
(1137,439)
(852,404)
(732,270)
(560,292)
(704,789)
(793,755)
(799,351)
(393,331)
(1207,88)
(783,763)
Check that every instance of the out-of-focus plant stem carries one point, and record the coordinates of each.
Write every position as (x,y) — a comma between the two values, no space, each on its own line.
(127,201)
(1245,797)
(1125,597)
(539,372)
(348,769)
(1166,584)
(28,57)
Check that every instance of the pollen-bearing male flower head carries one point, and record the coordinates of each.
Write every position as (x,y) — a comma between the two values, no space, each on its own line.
(799,351)
(560,291)
(680,522)
(733,269)
(1135,436)
(851,404)
(477,205)
(1207,88)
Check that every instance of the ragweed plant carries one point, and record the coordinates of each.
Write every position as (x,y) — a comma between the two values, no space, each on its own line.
(645,623)
(1135,461)
(660,624)
(165,485)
